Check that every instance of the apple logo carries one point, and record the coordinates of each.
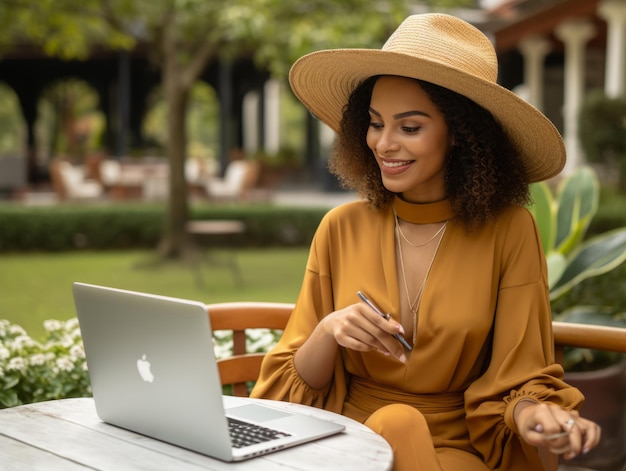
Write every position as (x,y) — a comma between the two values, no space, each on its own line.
(143,366)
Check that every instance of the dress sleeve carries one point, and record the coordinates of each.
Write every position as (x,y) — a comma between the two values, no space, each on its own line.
(279,379)
(521,364)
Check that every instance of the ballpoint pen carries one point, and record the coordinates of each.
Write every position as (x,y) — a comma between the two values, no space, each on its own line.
(398,337)
(554,436)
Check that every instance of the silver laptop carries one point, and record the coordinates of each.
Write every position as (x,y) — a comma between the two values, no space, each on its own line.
(153,371)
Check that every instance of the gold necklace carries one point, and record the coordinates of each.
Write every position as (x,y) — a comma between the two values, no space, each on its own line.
(425,243)
(413,306)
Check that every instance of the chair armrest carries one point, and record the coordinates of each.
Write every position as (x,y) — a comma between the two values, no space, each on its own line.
(595,337)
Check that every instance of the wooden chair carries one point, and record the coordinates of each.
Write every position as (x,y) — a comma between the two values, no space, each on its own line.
(69,182)
(240,177)
(244,367)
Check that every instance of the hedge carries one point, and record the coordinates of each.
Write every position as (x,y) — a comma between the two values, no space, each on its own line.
(140,225)
(121,226)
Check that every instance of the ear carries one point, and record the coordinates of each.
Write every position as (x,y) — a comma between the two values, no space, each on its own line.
(451,145)
(451,140)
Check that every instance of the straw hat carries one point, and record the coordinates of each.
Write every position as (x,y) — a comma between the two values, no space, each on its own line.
(443,50)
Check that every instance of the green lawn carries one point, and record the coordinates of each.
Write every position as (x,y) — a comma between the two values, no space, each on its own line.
(36,287)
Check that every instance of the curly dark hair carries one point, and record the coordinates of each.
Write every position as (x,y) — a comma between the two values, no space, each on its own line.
(484,172)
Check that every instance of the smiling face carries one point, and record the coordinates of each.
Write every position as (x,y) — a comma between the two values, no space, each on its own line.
(409,138)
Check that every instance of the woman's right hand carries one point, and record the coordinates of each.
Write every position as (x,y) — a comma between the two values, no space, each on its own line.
(358,327)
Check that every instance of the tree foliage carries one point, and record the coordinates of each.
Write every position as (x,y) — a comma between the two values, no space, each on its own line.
(68,29)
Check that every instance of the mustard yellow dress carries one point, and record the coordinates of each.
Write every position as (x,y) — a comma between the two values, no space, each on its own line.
(483,340)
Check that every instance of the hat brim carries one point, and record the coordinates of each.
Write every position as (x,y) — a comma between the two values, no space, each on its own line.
(324,80)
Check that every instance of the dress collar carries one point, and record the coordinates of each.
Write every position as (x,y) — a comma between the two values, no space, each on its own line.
(423,213)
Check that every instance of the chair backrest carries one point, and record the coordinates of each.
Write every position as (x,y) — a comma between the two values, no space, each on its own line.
(235,175)
(71,176)
(110,171)
(252,177)
(56,179)
(241,176)
(243,367)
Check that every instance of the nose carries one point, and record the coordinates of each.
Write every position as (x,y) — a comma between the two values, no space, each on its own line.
(386,142)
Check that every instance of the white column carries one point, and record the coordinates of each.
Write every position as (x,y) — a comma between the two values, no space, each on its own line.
(574,34)
(250,116)
(614,12)
(271,118)
(534,50)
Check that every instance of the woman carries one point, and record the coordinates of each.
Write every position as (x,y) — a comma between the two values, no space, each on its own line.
(443,157)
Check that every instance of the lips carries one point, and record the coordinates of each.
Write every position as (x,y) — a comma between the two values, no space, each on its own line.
(395,163)
(394,167)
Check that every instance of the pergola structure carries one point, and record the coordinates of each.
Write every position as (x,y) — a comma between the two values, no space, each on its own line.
(556,52)
(123,81)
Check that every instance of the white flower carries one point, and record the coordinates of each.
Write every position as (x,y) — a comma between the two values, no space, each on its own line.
(71,324)
(4,353)
(52,325)
(22,341)
(4,324)
(37,359)
(65,363)
(16,364)
(77,352)
(16,330)
(260,340)
(21,353)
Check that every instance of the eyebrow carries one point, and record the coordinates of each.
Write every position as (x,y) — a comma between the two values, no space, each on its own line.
(404,114)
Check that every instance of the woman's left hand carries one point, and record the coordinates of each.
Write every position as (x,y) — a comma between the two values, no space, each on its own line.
(561,431)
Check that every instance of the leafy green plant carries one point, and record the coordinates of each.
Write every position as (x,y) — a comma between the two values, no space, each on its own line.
(563,217)
(32,371)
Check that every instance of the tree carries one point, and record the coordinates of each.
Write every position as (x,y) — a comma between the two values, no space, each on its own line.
(189,34)
(186,35)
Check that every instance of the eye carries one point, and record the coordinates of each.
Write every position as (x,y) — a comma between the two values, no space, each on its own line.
(411,129)
(375,126)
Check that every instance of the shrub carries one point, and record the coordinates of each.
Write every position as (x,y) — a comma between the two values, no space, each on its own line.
(32,371)
(55,368)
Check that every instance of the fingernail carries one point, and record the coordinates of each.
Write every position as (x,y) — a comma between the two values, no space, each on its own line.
(400,329)
(586,450)
(570,455)
(384,352)
(402,358)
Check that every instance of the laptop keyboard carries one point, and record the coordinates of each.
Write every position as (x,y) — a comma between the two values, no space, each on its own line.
(244,434)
